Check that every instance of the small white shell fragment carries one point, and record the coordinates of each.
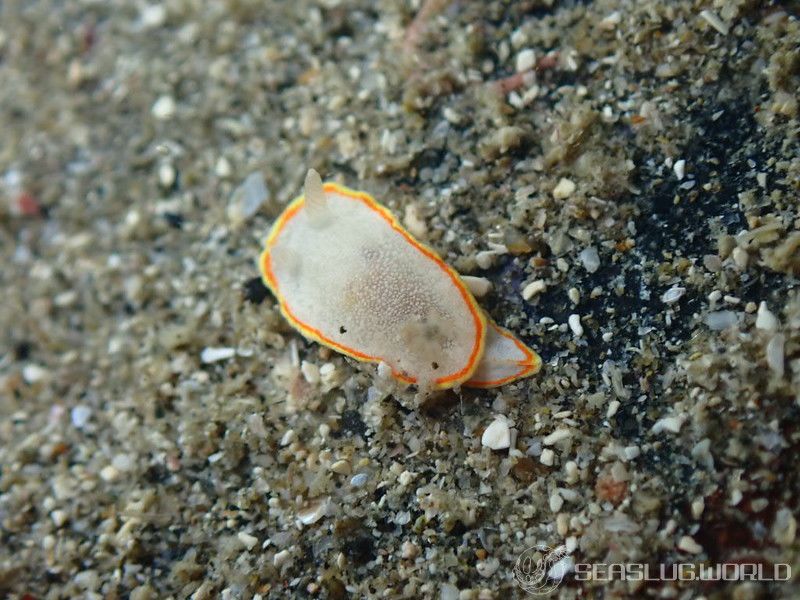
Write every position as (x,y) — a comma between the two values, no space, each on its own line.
(564,189)
(210,354)
(313,512)
(590,259)
(533,288)
(347,275)
(505,359)
(574,322)
(765,319)
(497,435)
(673,294)
(478,286)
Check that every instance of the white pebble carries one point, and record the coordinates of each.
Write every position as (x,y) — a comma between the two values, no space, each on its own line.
(109,473)
(478,286)
(80,415)
(557,436)
(547,457)
(784,528)
(564,189)
(33,373)
(765,320)
(59,517)
(721,320)
(687,544)
(166,175)
(485,258)
(613,407)
(358,480)
(223,168)
(533,288)
(288,437)
(281,558)
(248,541)
(590,259)
(447,591)
(153,15)
(561,568)
(673,294)
(698,506)
(526,60)
(740,257)
(556,502)
(164,108)
(248,198)
(123,462)
(672,424)
(488,567)
(310,372)
(210,354)
(574,322)
(712,19)
(574,295)
(497,435)
(680,169)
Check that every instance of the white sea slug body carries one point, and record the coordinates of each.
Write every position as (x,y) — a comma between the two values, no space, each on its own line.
(348,275)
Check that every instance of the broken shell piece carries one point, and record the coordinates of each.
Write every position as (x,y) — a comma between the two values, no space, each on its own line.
(505,359)
(312,512)
(497,435)
(347,275)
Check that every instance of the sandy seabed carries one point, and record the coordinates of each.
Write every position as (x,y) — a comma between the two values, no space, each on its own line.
(625,174)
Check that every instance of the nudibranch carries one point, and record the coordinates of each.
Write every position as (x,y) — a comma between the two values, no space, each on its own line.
(348,275)
(505,359)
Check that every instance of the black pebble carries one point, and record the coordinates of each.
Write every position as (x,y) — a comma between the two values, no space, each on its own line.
(255,291)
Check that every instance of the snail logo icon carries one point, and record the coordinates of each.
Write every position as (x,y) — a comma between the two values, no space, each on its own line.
(534,569)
